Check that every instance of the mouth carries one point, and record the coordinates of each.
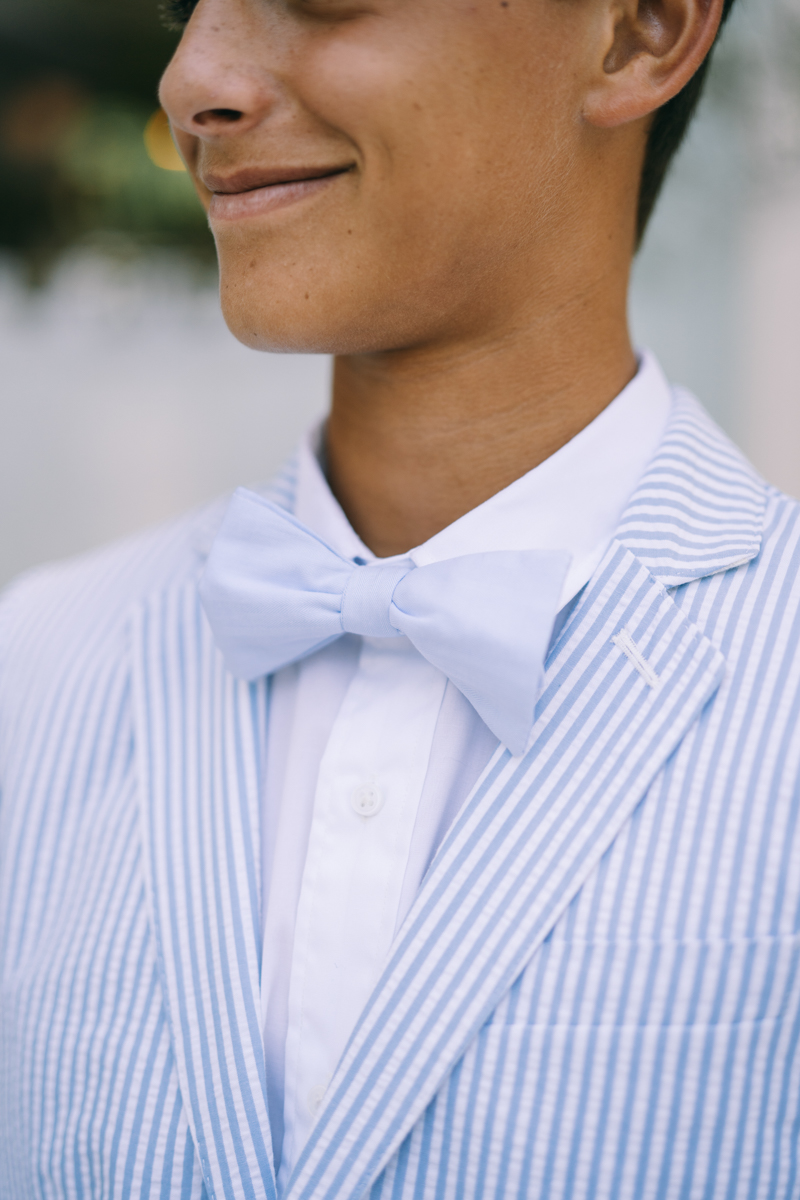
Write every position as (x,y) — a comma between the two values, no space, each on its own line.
(253,192)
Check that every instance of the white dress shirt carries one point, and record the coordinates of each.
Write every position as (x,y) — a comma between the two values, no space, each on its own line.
(371,752)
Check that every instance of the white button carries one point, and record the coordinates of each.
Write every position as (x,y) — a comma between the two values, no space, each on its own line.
(367,799)
(315,1098)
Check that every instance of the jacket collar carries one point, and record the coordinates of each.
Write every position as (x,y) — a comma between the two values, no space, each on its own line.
(699,508)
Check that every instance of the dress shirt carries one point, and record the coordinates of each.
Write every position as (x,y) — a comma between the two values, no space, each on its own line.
(371,751)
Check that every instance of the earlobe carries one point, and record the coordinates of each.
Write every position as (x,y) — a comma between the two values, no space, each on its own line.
(654,48)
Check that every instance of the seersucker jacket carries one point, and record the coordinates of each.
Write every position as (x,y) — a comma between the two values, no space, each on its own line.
(596,994)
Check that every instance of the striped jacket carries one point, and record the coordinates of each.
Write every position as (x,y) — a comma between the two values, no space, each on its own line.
(596,993)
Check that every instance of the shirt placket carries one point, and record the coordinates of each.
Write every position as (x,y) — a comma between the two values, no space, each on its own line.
(365,806)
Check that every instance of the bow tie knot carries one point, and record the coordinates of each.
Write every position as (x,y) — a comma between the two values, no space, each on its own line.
(274,592)
(367,599)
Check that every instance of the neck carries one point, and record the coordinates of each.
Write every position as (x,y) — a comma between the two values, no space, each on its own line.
(418,437)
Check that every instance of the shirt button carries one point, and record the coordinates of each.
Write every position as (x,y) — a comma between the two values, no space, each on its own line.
(314,1099)
(367,799)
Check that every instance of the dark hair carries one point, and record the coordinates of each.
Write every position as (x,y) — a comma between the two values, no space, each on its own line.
(669,128)
(175,13)
(667,132)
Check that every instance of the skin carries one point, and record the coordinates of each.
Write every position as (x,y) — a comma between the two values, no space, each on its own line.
(468,262)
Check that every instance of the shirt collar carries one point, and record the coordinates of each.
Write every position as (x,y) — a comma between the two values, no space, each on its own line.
(572,501)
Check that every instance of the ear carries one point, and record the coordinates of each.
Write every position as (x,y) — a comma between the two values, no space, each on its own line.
(650,50)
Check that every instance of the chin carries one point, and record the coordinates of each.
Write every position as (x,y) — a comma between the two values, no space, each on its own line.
(283,334)
(292,329)
(270,313)
(324,292)
(290,307)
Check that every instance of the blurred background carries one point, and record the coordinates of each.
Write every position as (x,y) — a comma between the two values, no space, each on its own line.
(123,398)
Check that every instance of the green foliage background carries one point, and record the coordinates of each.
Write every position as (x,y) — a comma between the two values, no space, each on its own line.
(95,181)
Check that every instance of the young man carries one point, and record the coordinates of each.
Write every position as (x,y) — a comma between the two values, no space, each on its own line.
(425,825)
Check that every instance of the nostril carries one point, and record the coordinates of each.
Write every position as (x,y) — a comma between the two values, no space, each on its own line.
(228,115)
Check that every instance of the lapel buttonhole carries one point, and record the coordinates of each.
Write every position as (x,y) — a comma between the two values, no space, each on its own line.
(629,648)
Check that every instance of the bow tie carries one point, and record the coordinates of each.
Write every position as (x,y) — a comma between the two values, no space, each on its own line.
(274,592)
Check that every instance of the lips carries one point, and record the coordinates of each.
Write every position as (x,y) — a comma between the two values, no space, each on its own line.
(256,190)
(251,178)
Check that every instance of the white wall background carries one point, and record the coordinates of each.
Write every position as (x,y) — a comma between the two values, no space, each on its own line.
(123,398)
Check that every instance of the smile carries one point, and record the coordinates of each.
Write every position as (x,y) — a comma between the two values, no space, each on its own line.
(252,193)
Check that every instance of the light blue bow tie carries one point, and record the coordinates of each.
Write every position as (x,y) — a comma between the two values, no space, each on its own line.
(274,592)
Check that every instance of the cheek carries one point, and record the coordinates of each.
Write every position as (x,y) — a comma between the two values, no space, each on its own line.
(448,108)
(462,147)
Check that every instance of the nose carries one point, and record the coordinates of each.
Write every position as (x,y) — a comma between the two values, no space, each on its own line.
(219,81)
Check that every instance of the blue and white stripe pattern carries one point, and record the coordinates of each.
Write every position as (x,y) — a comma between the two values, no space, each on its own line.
(597,991)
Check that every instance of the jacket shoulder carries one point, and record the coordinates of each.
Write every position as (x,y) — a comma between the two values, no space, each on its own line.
(51,611)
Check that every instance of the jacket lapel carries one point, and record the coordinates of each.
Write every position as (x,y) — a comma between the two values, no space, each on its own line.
(627,679)
(197,742)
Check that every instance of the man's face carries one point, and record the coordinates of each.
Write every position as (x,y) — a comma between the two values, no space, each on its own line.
(381,174)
